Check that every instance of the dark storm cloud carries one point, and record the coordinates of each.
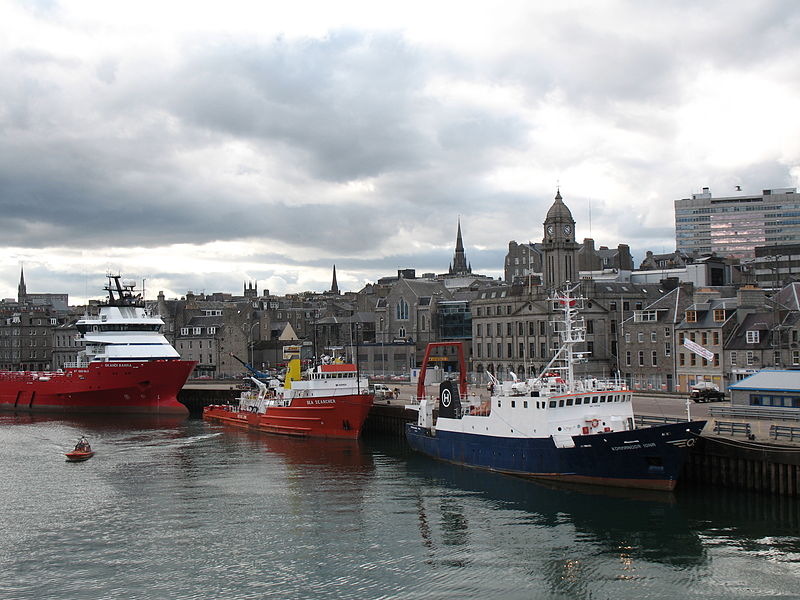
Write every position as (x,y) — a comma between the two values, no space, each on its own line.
(346,102)
(346,107)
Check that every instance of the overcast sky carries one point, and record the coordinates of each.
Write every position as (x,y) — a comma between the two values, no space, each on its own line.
(202,145)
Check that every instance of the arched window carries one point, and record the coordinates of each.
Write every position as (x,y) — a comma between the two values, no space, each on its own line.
(401,310)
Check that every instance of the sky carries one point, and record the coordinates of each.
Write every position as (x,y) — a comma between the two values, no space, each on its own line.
(199,146)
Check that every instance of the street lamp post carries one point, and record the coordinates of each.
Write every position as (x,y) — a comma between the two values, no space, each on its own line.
(250,343)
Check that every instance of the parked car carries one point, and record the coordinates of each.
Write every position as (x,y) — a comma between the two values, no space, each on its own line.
(706,392)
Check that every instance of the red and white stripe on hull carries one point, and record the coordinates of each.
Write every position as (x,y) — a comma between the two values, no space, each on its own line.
(340,417)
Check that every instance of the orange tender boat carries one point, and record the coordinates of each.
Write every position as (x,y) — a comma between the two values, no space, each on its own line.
(83,451)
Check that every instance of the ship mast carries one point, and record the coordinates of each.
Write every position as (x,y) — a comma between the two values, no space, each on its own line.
(571,329)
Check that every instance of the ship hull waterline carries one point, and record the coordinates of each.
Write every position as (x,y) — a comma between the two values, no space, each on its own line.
(648,458)
(339,417)
(136,387)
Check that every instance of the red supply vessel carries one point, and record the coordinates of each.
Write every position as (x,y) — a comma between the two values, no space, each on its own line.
(330,401)
(128,366)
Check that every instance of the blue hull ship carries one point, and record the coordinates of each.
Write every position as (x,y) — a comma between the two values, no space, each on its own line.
(649,458)
(553,426)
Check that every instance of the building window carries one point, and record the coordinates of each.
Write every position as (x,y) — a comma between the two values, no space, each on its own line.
(509,329)
(401,310)
(499,350)
(715,338)
(733,358)
(401,333)
(212,330)
(667,332)
(612,306)
(628,338)
(716,360)
(628,359)
(752,337)
(693,360)
(795,358)
(653,336)
(667,349)
(750,358)
(509,350)
(704,338)
(640,336)
(719,315)
(654,358)
(589,326)
(776,356)
(641,358)
(691,316)
(197,330)
(184,331)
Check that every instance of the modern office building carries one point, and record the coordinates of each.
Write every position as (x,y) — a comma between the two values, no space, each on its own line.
(733,226)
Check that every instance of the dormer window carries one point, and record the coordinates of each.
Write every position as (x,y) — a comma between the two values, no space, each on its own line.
(691,316)
(719,315)
(752,337)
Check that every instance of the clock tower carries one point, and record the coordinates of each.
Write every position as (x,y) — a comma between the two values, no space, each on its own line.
(559,248)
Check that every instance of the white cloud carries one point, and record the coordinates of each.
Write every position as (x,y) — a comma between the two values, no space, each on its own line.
(201,145)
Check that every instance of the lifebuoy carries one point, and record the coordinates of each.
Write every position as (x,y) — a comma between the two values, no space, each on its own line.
(690,442)
(595,422)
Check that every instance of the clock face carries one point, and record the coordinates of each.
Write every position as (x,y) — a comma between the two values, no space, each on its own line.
(550,230)
(567,229)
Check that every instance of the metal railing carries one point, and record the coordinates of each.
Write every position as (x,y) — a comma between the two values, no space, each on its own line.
(784,431)
(651,421)
(732,428)
(755,412)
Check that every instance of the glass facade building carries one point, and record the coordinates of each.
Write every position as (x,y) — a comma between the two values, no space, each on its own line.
(733,226)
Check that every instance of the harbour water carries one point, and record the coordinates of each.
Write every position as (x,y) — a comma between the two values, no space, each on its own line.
(185,509)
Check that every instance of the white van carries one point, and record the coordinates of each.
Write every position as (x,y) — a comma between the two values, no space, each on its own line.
(381,390)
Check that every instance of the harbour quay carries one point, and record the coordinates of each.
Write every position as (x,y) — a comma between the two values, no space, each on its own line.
(739,448)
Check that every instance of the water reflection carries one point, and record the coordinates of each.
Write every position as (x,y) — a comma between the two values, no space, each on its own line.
(634,525)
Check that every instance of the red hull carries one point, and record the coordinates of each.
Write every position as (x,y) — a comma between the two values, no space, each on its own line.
(79,455)
(338,417)
(133,387)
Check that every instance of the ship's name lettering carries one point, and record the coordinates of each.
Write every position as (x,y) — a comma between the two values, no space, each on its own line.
(321,401)
(634,446)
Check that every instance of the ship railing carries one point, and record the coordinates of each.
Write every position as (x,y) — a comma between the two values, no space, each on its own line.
(76,365)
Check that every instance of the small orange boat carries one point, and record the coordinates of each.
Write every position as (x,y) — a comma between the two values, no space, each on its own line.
(83,451)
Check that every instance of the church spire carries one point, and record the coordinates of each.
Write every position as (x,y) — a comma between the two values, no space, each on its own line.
(459,265)
(334,285)
(22,292)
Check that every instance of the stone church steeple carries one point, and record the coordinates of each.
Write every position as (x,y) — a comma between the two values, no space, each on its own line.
(334,285)
(22,292)
(459,266)
(559,249)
